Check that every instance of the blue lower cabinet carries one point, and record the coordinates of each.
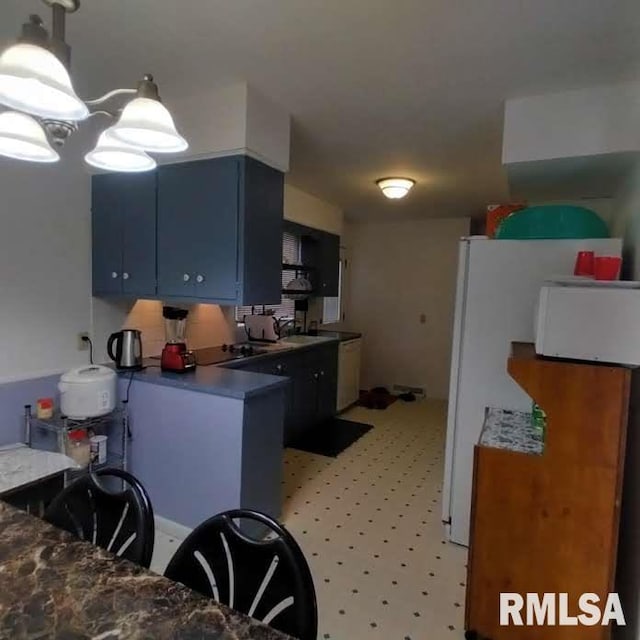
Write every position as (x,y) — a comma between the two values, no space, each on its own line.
(327,381)
(305,402)
(311,395)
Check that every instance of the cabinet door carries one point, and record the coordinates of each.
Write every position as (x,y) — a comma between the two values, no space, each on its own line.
(286,366)
(138,198)
(198,230)
(213,201)
(178,191)
(305,401)
(351,374)
(329,265)
(321,250)
(327,382)
(261,206)
(106,234)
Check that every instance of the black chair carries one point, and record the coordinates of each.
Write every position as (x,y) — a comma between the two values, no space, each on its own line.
(268,578)
(109,508)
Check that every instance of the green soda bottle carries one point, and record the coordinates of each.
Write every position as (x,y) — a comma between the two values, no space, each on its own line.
(538,420)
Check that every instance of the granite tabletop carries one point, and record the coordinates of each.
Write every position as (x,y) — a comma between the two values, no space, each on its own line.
(21,466)
(55,586)
(512,430)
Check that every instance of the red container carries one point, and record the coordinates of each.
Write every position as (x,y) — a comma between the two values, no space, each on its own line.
(607,267)
(496,213)
(584,264)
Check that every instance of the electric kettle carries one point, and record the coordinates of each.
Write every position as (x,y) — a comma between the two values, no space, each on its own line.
(128,353)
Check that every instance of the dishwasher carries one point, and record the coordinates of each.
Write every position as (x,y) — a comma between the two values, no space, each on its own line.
(348,373)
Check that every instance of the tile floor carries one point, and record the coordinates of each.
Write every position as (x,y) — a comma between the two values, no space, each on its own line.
(369,523)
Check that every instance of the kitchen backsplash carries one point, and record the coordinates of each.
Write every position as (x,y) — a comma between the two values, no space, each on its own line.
(207,325)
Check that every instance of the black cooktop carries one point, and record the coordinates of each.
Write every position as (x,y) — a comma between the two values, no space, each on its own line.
(226,353)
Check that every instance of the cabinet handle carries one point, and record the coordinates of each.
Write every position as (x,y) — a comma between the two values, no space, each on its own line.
(114,274)
(186,277)
(279,368)
(125,276)
(322,374)
(316,376)
(199,278)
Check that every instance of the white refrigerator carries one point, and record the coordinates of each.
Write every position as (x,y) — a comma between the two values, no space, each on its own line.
(497,291)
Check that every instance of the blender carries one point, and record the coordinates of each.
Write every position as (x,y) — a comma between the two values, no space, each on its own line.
(175,355)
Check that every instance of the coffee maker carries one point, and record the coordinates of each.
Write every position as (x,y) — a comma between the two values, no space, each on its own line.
(175,355)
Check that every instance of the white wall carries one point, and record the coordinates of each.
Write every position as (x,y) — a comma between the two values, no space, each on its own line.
(584,122)
(237,118)
(207,324)
(303,208)
(45,274)
(397,272)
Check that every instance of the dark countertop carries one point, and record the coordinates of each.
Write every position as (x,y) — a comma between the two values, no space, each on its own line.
(280,348)
(225,379)
(213,379)
(343,336)
(53,586)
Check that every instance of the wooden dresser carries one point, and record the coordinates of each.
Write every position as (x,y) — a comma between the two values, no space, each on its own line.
(547,521)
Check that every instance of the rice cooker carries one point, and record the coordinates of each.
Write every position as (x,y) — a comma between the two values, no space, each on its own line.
(87,392)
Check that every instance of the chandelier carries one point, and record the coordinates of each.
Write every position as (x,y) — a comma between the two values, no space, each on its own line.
(43,109)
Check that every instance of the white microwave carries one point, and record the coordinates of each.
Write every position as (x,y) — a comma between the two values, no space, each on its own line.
(589,320)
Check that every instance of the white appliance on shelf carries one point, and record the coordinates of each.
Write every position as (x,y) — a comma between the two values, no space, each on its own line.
(590,320)
(498,286)
(87,392)
(348,373)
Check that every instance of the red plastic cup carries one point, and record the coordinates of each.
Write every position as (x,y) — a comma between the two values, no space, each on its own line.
(607,267)
(584,264)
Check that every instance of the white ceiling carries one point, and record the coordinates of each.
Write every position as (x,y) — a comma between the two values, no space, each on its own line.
(409,87)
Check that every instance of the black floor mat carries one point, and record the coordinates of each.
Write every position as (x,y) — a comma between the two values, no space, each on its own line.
(332,437)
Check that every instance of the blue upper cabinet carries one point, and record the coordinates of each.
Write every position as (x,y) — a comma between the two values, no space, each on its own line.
(215,227)
(198,230)
(220,231)
(123,213)
(328,265)
(261,226)
(320,250)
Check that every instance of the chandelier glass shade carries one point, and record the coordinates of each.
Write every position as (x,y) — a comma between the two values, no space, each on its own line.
(147,124)
(112,155)
(33,80)
(23,138)
(43,107)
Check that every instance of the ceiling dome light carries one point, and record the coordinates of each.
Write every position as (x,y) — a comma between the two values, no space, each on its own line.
(395,188)
(112,155)
(32,79)
(148,125)
(22,138)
